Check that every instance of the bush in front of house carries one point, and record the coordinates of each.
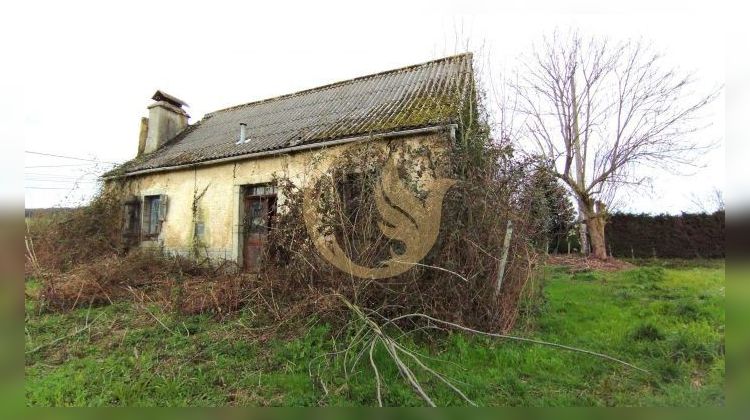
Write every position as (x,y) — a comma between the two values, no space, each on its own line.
(457,280)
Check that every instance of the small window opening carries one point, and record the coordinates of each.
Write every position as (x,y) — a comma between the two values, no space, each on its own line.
(352,188)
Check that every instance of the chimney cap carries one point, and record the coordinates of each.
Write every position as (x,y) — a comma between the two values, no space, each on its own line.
(163,96)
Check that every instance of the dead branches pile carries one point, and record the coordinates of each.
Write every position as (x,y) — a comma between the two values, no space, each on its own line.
(370,333)
(175,282)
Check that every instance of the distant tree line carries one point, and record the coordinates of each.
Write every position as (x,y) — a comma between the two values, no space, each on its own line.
(47,211)
(688,235)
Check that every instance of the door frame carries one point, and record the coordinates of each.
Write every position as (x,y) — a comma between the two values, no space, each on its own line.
(240,193)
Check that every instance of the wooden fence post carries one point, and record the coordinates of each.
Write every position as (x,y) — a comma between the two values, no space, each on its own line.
(504,259)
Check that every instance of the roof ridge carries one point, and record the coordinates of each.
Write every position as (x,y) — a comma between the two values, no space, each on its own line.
(468,54)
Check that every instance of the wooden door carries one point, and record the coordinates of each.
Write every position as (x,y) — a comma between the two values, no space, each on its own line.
(258,211)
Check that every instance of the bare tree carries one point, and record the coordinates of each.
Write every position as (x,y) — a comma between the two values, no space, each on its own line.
(599,111)
(709,202)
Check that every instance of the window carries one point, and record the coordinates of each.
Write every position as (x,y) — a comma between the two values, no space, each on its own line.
(154,212)
(132,219)
(259,190)
(260,207)
(352,189)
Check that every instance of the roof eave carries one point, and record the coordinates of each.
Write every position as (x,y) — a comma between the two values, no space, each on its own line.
(449,127)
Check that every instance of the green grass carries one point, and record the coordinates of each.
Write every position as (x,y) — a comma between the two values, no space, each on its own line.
(669,321)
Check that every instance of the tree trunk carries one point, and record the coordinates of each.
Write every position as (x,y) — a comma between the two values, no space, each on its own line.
(583,216)
(583,234)
(595,220)
(580,167)
(596,231)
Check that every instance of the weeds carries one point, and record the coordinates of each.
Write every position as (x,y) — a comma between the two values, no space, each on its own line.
(646,332)
(647,275)
(686,347)
(302,305)
(688,310)
(127,358)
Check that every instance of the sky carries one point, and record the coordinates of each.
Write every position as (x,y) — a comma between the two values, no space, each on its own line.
(81,74)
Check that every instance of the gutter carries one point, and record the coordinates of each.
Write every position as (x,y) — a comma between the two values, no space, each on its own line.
(393,134)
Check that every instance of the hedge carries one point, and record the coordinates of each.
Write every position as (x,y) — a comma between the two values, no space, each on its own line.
(666,236)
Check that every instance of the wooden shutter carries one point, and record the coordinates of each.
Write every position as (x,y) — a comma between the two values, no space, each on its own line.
(162,207)
(145,217)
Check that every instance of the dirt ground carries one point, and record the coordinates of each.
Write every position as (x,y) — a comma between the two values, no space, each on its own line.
(578,263)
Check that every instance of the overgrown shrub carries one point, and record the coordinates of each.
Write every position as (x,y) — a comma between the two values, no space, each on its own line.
(62,240)
(456,280)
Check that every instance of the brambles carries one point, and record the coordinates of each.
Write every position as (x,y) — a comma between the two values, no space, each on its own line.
(177,282)
(455,280)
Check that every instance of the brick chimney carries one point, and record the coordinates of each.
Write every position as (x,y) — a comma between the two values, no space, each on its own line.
(166,119)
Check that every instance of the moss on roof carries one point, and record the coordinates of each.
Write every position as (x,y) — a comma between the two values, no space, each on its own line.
(421,95)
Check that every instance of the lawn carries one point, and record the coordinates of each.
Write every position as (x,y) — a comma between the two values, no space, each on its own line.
(667,319)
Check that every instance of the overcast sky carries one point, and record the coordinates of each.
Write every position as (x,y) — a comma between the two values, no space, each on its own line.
(82,74)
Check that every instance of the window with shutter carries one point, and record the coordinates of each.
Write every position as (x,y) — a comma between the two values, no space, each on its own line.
(154,213)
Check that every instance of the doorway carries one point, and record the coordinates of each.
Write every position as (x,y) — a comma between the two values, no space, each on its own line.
(259,209)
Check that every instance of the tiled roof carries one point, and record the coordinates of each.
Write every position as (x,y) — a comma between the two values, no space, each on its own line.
(421,95)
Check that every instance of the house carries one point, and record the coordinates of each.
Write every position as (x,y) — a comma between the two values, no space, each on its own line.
(229,158)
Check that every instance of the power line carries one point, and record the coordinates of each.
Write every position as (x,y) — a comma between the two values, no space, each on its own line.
(39,176)
(68,157)
(58,179)
(59,166)
(61,180)
(60,175)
